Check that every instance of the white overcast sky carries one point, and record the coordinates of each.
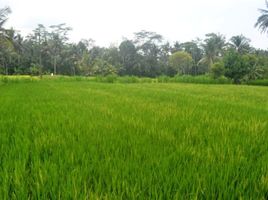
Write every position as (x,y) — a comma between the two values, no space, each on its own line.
(107,21)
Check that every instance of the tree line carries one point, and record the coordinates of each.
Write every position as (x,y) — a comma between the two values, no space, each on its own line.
(48,50)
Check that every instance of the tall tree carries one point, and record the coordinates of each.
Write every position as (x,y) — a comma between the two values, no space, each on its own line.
(127,52)
(239,67)
(5,44)
(58,37)
(240,43)
(14,47)
(213,48)
(148,45)
(262,22)
(182,62)
(176,47)
(193,48)
(4,12)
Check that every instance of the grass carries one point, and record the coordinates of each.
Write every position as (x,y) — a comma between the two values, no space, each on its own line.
(201,79)
(18,79)
(261,82)
(70,139)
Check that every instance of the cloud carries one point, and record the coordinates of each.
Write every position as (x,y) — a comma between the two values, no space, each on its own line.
(107,21)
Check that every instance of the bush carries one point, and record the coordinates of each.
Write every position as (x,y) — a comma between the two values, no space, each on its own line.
(18,79)
(128,79)
(202,79)
(181,61)
(35,70)
(217,69)
(106,79)
(147,80)
(223,80)
(4,79)
(261,82)
(163,79)
(111,78)
(103,68)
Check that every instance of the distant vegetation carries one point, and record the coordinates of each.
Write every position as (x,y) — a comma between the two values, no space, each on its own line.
(48,50)
(204,79)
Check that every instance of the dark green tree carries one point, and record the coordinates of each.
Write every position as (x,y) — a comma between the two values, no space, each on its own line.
(128,55)
(193,48)
(213,47)
(58,38)
(240,67)
(182,62)
(240,43)
(148,45)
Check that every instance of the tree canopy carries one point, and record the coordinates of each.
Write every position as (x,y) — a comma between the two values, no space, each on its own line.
(48,50)
(262,22)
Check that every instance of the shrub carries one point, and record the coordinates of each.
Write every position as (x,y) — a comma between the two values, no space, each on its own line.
(128,79)
(35,70)
(202,79)
(147,80)
(181,61)
(17,79)
(110,78)
(217,69)
(261,82)
(163,79)
(103,68)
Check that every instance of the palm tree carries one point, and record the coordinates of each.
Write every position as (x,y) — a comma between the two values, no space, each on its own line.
(4,39)
(213,47)
(4,33)
(240,44)
(262,22)
(3,18)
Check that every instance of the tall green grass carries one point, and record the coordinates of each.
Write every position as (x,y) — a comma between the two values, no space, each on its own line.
(201,79)
(260,82)
(88,140)
(18,79)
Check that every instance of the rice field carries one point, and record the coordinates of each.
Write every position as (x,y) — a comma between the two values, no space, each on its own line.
(90,140)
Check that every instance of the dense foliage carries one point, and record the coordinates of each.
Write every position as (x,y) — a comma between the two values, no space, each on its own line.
(48,50)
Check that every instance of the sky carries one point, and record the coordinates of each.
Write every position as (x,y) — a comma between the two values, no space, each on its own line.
(108,21)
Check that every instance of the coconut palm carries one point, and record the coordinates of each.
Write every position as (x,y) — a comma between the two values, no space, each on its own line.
(240,44)
(213,47)
(3,18)
(262,22)
(5,44)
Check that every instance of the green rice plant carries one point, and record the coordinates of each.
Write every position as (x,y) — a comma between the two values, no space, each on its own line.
(68,139)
